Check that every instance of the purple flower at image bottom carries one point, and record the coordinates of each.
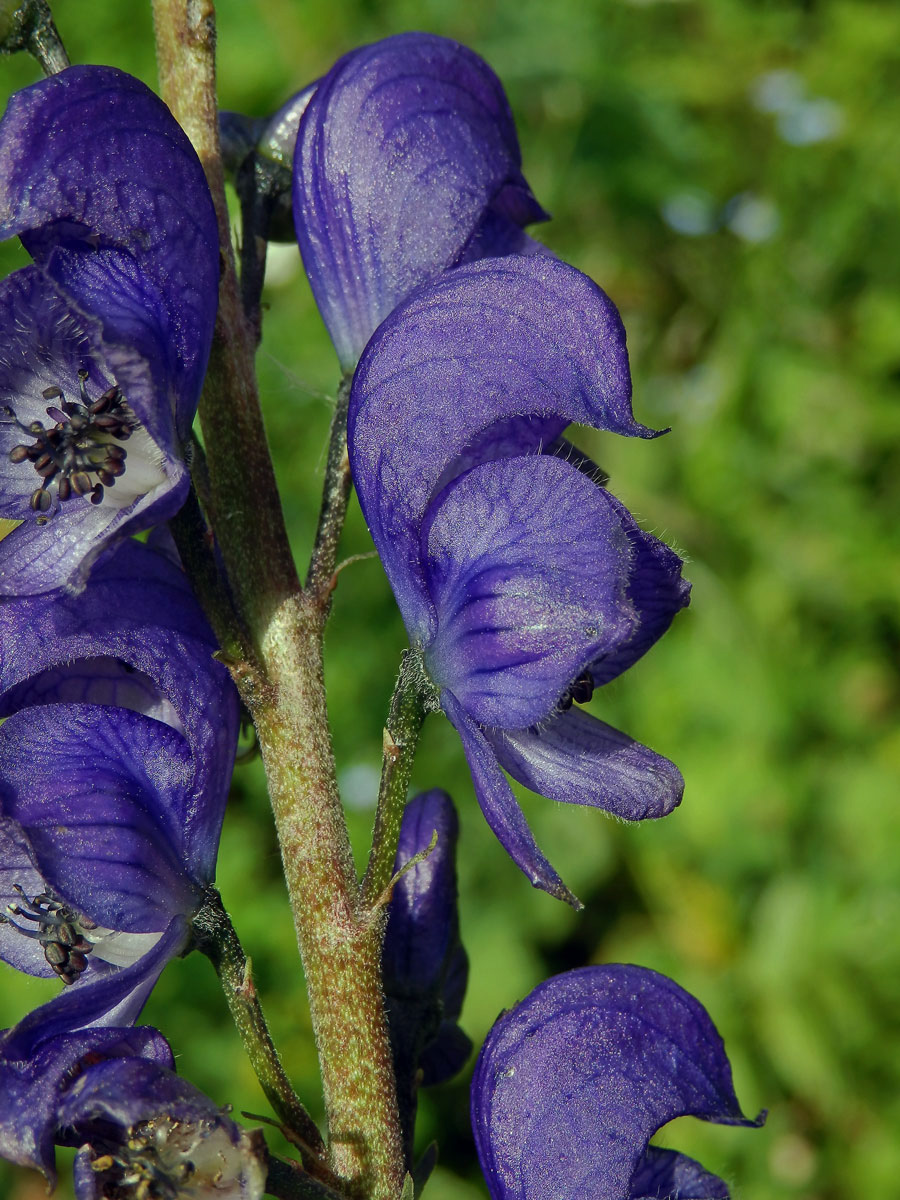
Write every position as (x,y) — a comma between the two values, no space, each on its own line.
(572,1083)
(143,1131)
(105,338)
(36,1069)
(139,1129)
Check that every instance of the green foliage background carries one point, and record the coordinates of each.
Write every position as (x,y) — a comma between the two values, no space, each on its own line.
(768,339)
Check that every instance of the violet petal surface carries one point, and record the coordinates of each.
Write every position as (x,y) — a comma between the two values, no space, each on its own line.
(491,360)
(403,150)
(573,1082)
(526,561)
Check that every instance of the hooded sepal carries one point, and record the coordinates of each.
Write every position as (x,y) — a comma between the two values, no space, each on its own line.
(407,161)
(573,1082)
(489,361)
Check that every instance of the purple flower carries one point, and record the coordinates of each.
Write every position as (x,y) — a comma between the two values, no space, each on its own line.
(36,1070)
(524,583)
(115,761)
(106,337)
(113,1093)
(424,965)
(144,1131)
(407,163)
(572,1083)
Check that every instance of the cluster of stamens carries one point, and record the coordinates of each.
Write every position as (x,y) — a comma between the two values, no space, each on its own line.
(139,1170)
(57,928)
(578,692)
(78,452)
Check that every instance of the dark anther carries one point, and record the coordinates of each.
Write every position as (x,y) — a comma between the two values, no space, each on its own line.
(78,451)
(56,929)
(578,692)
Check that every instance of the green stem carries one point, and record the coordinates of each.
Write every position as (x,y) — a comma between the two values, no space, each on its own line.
(335,497)
(192,537)
(245,507)
(283,683)
(28,25)
(286,1181)
(215,936)
(340,942)
(410,704)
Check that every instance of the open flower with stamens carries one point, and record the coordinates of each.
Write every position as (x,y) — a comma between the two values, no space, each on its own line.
(37,1068)
(523,582)
(142,1131)
(115,761)
(106,336)
(407,163)
(572,1083)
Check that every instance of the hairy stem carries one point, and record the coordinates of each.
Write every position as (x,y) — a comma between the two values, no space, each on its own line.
(335,497)
(244,504)
(215,936)
(28,25)
(340,942)
(282,681)
(409,707)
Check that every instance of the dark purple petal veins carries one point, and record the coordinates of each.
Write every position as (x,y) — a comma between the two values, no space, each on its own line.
(402,151)
(91,159)
(100,794)
(492,359)
(573,1082)
(576,759)
(527,566)
(135,637)
(35,1078)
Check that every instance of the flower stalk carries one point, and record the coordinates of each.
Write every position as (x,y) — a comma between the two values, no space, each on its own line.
(410,705)
(340,942)
(320,578)
(245,508)
(29,25)
(282,684)
(215,936)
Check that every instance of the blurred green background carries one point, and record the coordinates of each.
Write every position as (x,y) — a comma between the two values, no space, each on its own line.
(729,171)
